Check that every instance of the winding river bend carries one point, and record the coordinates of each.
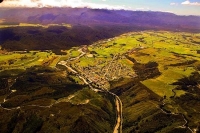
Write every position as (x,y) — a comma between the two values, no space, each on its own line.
(118,103)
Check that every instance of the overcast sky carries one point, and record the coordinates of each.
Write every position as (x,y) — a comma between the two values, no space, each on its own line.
(183,7)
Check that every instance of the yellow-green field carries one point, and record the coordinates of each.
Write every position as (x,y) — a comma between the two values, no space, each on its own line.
(165,48)
(24,59)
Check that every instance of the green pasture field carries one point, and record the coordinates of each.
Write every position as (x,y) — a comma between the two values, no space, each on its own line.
(23,60)
(171,50)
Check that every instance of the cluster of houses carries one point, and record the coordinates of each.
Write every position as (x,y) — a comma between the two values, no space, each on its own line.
(101,74)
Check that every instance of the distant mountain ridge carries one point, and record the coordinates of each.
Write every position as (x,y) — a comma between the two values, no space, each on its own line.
(86,16)
(86,26)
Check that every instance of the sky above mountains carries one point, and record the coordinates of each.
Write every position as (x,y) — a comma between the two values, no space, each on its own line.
(182,7)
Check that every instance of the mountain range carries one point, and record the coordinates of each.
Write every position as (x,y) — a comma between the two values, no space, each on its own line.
(87,26)
(86,16)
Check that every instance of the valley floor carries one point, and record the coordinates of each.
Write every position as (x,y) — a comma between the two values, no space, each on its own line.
(137,82)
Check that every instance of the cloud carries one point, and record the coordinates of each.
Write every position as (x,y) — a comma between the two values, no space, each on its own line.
(57,3)
(187,2)
(173,4)
(168,11)
(41,3)
(142,9)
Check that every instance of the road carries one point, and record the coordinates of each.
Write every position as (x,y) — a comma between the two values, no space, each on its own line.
(119,120)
